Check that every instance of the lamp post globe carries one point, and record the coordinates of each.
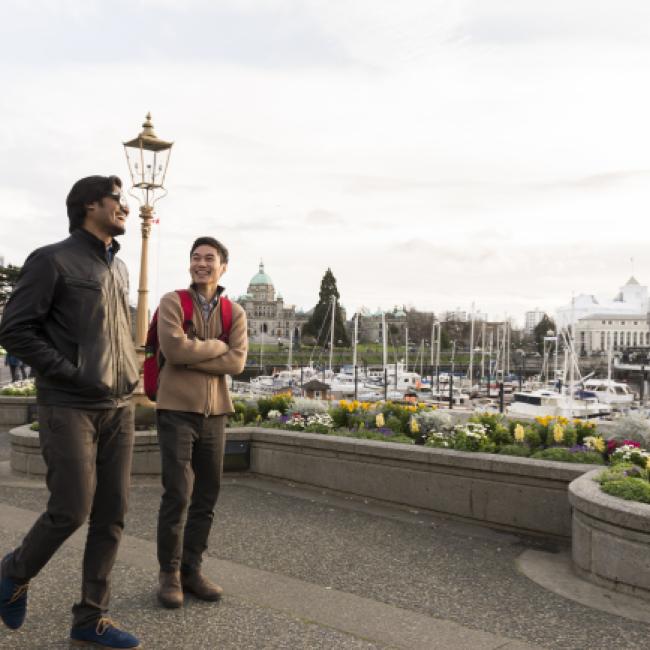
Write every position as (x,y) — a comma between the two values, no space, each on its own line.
(148,158)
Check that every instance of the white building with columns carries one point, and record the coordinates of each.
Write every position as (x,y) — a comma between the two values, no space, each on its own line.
(617,324)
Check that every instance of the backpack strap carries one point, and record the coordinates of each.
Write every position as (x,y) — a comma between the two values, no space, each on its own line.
(226,318)
(187,305)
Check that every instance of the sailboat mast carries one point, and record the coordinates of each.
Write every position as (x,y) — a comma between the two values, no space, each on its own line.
(332,330)
(384,341)
(406,348)
(290,359)
(356,338)
(471,347)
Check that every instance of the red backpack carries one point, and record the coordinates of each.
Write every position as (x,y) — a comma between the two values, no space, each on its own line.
(153,358)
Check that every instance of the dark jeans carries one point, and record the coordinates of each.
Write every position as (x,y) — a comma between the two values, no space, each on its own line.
(88,457)
(191,451)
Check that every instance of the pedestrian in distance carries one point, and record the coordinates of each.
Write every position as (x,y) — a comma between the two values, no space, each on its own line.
(68,318)
(16,367)
(12,362)
(192,404)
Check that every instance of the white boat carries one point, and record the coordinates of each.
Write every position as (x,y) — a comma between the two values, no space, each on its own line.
(608,391)
(540,403)
(459,398)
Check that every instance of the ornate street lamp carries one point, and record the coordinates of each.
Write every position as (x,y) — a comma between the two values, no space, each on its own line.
(148,157)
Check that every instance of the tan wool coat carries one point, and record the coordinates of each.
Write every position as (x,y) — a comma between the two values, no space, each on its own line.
(193,376)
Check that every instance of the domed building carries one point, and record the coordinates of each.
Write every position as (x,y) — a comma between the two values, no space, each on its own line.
(268,317)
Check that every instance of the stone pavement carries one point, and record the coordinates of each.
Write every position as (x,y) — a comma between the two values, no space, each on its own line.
(306,569)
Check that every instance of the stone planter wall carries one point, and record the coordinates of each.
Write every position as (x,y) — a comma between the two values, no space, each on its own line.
(519,494)
(611,538)
(26,455)
(15,411)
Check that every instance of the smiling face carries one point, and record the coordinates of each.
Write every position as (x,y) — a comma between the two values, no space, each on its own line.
(106,218)
(206,269)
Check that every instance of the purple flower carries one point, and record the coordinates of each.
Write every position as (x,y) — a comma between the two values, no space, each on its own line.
(577,448)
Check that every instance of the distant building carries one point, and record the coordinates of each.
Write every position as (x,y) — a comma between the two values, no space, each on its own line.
(370,326)
(631,300)
(597,333)
(533,319)
(269,319)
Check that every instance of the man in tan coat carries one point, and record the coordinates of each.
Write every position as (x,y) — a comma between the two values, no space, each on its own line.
(191,409)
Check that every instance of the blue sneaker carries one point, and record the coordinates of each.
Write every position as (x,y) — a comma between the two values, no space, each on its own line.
(103,635)
(13,601)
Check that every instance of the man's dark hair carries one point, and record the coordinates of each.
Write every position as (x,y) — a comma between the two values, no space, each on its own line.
(211,241)
(88,190)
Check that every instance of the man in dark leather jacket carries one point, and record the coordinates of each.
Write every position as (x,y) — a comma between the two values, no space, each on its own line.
(68,318)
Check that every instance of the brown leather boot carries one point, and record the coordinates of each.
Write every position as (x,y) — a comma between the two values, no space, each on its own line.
(170,593)
(201,587)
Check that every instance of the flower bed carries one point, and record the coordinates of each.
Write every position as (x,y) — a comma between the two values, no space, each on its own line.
(24,388)
(546,438)
(629,476)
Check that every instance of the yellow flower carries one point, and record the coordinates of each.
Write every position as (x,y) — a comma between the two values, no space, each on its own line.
(379,420)
(563,421)
(421,405)
(343,403)
(415,427)
(558,433)
(355,404)
(599,444)
(520,434)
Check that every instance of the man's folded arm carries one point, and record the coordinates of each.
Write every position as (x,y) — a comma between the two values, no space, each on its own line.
(233,361)
(177,347)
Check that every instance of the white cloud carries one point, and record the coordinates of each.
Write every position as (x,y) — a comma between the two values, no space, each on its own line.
(455,151)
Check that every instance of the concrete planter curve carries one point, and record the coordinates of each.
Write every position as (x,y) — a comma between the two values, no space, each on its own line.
(611,538)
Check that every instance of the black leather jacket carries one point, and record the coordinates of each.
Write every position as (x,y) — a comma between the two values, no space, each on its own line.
(68,317)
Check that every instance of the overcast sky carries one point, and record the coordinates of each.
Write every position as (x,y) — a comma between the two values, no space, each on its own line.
(432,153)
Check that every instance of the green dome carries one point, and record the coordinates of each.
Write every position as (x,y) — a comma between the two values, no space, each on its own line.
(261,277)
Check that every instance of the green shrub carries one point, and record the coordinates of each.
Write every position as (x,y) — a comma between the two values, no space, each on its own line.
(569,436)
(472,437)
(630,488)
(250,413)
(618,472)
(396,424)
(374,434)
(317,428)
(34,426)
(515,450)
(532,437)
(567,456)
(341,417)
(491,421)
(276,403)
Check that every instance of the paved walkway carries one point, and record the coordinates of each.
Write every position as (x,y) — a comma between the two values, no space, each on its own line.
(307,569)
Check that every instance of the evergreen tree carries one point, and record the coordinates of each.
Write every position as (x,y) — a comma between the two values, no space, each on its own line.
(541,330)
(8,278)
(319,324)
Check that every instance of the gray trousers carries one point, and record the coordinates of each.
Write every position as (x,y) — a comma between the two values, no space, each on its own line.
(191,451)
(88,456)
